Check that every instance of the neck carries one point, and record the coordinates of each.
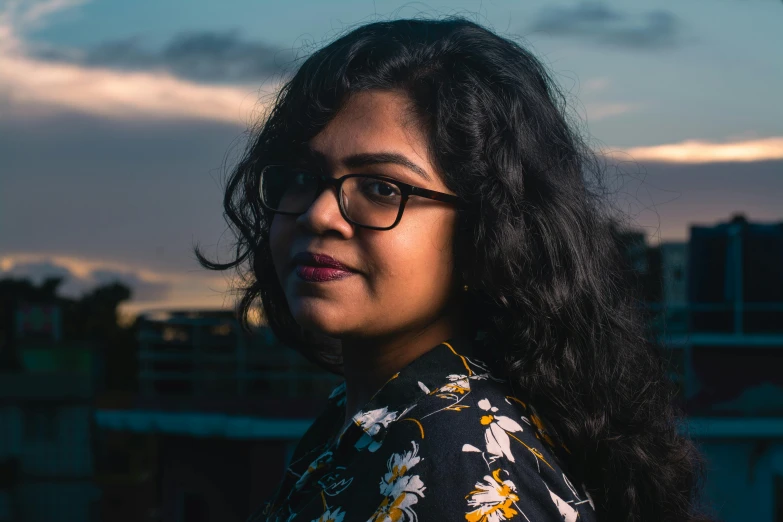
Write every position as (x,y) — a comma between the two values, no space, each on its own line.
(368,364)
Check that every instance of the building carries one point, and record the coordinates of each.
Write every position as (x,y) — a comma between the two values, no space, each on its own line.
(46,465)
(722,319)
(217,416)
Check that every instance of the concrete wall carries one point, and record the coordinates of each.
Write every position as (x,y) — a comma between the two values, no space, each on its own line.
(741,485)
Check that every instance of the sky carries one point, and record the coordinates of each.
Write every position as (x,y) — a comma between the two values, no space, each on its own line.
(119,120)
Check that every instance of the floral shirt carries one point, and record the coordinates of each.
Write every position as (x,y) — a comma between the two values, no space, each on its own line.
(442,440)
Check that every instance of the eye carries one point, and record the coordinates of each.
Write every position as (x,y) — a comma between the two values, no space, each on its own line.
(379,189)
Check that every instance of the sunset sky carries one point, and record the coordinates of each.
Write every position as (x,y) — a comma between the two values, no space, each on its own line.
(120,119)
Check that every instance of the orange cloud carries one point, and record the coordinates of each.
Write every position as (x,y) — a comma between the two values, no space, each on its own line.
(694,151)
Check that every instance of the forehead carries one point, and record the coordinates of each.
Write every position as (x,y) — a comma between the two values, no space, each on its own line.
(372,122)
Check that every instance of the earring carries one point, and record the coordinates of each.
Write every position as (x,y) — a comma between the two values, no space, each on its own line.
(465,288)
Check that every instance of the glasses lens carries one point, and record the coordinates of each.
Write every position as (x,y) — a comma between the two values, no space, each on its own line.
(371,202)
(367,201)
(288,190)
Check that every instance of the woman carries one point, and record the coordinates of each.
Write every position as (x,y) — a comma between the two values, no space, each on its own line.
(414,215)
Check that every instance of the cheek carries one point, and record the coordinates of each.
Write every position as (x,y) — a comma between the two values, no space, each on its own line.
(418,260)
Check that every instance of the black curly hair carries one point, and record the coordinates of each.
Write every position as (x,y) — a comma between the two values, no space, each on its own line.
(535,243)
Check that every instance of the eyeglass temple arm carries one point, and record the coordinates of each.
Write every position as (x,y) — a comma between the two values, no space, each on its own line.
(432,194)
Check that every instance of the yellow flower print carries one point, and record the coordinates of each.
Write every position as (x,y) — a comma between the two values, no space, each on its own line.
(492,499)
(401,491)
(541,430)
(331,515)
(398,465)
(498,443)
(460,383)
(397,507)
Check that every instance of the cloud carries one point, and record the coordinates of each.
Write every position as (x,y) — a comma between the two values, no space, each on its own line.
(599,111)
(18,17)
(599,23)
(31,86)
(594,85)
(80,278)
(151,290)
(695,151)
(205,56)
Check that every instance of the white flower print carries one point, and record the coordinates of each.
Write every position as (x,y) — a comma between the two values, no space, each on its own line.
(498,443)
(397,507)
(485,368)
(401,491)
(459,384)
(568,513)
(331,515)
(481,479)
(398,465)
(478,363)
(372,421)
(571,487)
(492,499)
(589,497)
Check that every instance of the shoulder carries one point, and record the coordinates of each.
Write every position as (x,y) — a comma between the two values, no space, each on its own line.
(477,422)
(472,446)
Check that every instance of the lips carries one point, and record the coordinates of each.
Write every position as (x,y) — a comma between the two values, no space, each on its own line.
(319,268)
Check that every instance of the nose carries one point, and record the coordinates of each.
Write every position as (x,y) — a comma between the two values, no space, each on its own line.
(324,215)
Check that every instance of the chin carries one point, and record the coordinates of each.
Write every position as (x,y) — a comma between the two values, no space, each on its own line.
(322,317)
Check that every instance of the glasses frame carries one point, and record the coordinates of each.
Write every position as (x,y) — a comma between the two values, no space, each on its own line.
(324,181)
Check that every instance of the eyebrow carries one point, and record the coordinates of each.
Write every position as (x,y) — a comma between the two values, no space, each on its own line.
(372,158)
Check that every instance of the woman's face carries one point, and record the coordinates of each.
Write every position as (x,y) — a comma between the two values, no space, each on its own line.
(400,279)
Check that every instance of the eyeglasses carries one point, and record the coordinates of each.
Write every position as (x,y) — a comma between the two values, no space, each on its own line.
(365,200)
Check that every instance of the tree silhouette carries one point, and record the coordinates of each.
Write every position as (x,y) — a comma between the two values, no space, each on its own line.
(92,317)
